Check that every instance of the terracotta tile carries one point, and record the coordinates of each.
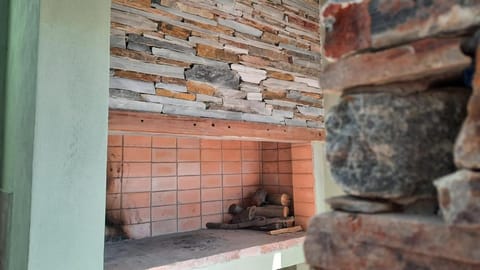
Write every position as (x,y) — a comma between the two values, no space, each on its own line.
(231,144)
(269,145)
(114,169)
(232,180)
(249,191)
(114,153)
(272,189)
(285,154)
(270,167)
(139,141)
(210,144)
(164,212)
(210,208)
(188,182)
(252,179)
(211,218)
(303,180)
(270,179)
(211,168)
(305,195)
(285,189)
(137,231)
(189,168)
(250,145)
(164,227)
(251,155)
(211,155)
(188,143)
(302,166)
(234,167)
(285,179)
(304,209)
(114,185)
(188,155)
(164,169)
(189,196)
(231,155)
(137,154)
(135,216)
(164,198)
(113,201)
(209,181)
(136,200)
(115,140)
(164,183)
(136,184)
(270,155)
(251,167)
(230,193)
(136,169)
(164,155)
(284,145)
(189,224)
(188,210)
(211,194)
(285,167)
(301,152)
(164,142)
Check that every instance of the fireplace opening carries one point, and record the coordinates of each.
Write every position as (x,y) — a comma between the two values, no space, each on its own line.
(162,190)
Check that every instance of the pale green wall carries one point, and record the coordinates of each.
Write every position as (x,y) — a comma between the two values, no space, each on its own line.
(55,128)
(69,161)
(18,126)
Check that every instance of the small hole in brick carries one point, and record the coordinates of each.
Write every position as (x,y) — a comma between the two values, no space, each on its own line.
(229,127)
(213,124)
(268,129)
(141,120)
(194,124)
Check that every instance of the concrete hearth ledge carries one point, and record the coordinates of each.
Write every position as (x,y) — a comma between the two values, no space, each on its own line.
(207,249)
(339,240)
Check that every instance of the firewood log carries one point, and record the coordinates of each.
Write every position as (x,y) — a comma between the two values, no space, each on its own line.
(259,197)
(234,209)
(245,215)
(279,199)
(257,222)
(271,211)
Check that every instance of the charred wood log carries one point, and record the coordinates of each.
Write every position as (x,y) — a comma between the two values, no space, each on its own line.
(271,211)
(279,199)
(245,215)
(258,222)
(259,198)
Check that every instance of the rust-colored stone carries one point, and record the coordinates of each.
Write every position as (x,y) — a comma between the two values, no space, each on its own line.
(174,81)
(137,76)
(148,58)
(175,31)
(217,29)
(421,59)
(274,95)
(216,53)
(271,38)
(269,54)
(200,88)
(255,60)
(134,3)
(166,93)
(339,240)
(280,75)
(195,10)
(125,28)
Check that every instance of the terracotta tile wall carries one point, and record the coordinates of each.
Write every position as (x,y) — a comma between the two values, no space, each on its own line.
(303,183)
(161,185)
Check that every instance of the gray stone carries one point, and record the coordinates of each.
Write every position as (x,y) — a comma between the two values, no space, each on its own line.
(247,106)
(198,112)
(239,27)
(117,39)
(296,122)
(282,113)
(133,20)
(132,85)
(228,93)
(249,74)
(384,145)
(209,99)
(459,198)
(217,75)
(315,124)
(126,94)
(281,103)
(164,44)
(147,68)
(185,15)
(133,105)
(187,58)
(310,111)
(174,101)
(360,205)
(250,87)
(255,96)
(138,47)
(171,87)
(262,118)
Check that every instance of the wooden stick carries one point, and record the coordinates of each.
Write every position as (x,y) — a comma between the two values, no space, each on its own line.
(271,211)
(286,230)
(279,199)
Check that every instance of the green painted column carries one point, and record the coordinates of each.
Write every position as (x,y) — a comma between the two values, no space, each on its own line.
(55,133)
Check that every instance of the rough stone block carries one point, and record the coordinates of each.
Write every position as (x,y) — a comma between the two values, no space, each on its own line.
(228,93)
(132,85)
(117,39)
(376,148)
(420,59)
(164,44)
(209,99)
(254,96)
(174,101)
(171,87)
(148,68)
(296,122)
(262,118)
(200,88)
(459,198)
(357,25)
(281,103)
(310,111)
(242,28)
(177,56)
(216,75)
(249,74)
(389,241)
(133,20)
(282,113)
(134,105)
(248,106)
(138,47)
